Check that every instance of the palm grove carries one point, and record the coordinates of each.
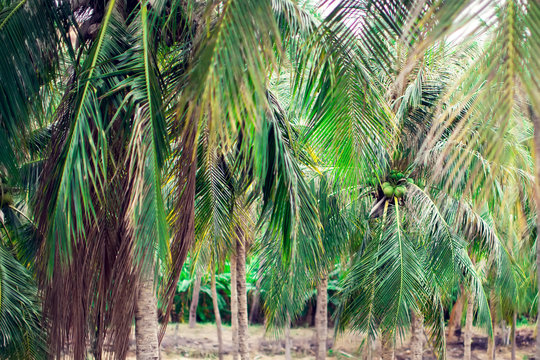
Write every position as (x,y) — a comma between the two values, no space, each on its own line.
(386,147)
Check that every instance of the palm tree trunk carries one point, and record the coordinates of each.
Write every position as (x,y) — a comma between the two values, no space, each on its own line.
(467,336)
(288,342)
(455,318)
(536,122)
(234,305)
(367,354)
(243,348)
(195,300)
(217,314)
(491,340)
(146,320)
(321,318)
(514,321)
(417,335)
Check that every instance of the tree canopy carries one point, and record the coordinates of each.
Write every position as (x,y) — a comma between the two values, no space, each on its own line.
(389,146)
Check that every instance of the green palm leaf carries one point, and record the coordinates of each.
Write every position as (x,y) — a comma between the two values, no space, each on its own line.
(30,55)
(21,331)
(148,146)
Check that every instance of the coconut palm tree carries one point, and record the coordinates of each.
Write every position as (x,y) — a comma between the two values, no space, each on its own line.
(407,222)
(222,202)
(503,85)
(335,242)
(293,282)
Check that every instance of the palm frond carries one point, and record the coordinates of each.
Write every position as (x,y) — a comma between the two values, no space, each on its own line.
(148,147)
(383,283)
(336,97)
(74,176)
(287,200)
(22,335)
(227,78)
(214,204)
(30,56)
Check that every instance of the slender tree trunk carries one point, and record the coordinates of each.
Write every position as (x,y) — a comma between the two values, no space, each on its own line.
(146,320)
(217,314)
(243,346)
(455,318)
(467,336)
(373,349)
(417,336)
(377,348)
(288,342)
(514,321)
(321,318)
(536,122)
(195,300)
(234,305)
(491,340)
(368,349)
(387,347)
(505,333)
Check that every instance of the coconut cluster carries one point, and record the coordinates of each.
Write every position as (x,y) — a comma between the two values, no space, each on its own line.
(395,186)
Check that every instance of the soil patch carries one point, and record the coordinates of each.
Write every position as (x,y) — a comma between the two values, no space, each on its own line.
(181,342)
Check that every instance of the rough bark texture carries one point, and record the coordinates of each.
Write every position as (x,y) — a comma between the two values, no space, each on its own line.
(514,321)
(387,347)
(536,122)
(321,318)
(234,306)
(467,336)
(146,320)
(195,300)
(455,318)
(417,336)
(243,348)
(288,342)
(217,314)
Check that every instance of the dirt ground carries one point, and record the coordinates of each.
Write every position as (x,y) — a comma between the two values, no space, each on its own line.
(181,342)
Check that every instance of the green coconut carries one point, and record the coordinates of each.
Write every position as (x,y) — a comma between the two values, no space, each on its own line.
(388,191)
(400,191)
(410,181)
(400,175)
(385,184)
